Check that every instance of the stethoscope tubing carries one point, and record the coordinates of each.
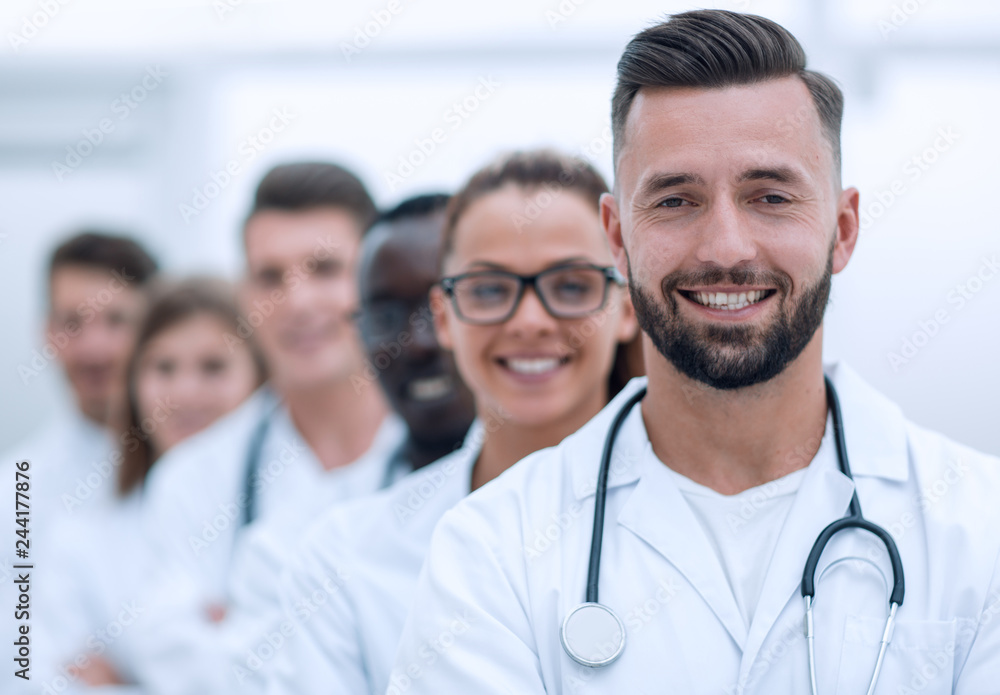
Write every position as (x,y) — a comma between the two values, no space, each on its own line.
(854,518)
(601,495)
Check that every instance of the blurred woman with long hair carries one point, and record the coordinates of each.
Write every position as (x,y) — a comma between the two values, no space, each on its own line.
(188,369)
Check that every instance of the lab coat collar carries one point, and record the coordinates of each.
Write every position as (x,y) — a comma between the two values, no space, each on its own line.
(468,453)
(583,449)
(458,465)
(655,512)
(874,427)
(373,469)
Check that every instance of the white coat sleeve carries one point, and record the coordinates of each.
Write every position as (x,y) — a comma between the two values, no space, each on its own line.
(185,654)
(68,611)
(468,629)
(325,650)
(186,515)
(175,650)
(979,674)
(255,631)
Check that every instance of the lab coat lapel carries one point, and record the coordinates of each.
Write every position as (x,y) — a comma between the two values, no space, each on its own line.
(823,497)
(658,514)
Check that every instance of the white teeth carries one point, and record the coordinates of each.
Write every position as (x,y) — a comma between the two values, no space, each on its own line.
(429,389)
(537,365)
(729,302)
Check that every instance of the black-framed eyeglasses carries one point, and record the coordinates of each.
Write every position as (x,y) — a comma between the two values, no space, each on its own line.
(569,291)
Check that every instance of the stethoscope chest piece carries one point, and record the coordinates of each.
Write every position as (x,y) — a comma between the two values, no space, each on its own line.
(593,635)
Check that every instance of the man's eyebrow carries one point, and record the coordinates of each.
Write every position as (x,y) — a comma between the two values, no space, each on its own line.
(660,182)
(780,174)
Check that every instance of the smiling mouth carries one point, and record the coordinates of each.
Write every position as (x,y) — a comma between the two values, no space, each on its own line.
(429,388)
(300,339)
(727,301)
(533,365)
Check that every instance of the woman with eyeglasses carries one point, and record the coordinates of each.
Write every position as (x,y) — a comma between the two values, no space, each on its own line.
(535,312)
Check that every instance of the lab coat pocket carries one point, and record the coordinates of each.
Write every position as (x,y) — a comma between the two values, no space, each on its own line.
(920,657)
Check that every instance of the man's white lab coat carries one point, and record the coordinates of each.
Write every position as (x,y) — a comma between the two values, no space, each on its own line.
(510,561)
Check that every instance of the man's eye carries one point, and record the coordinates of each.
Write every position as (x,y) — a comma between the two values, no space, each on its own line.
(672,203)
(773,199)
(329,268)
(268,278)
(386,316)
(117,318)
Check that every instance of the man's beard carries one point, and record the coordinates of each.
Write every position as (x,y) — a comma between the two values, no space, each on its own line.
(725,356)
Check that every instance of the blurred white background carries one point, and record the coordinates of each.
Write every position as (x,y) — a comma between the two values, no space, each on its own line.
(364,82)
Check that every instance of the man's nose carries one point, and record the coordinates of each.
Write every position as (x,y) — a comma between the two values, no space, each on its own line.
(425,343)
(727,237)
(96,339)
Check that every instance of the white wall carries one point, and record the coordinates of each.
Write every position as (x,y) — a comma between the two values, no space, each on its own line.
(905,76)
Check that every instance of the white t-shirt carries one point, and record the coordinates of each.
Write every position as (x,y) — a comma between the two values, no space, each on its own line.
(743,529)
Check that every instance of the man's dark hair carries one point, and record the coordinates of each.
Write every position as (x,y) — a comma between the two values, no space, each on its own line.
(417,206)
(714,49)
(102,251)
(303,186)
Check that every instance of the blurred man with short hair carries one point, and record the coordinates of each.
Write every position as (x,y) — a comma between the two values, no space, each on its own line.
(96,299)
(306,440)
(96,287)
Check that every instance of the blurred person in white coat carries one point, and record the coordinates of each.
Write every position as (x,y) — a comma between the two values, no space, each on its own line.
(536,317)
(398,264)
(182,376)
(96,297)
(308,438)
(729,219)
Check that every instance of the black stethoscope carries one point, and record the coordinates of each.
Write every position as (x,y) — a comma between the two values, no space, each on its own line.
(593,635)
(271,404)
(250,486)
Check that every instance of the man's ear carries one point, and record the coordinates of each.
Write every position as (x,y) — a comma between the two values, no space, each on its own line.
(442,326)
(611,222)
(848,228)
(628,328)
